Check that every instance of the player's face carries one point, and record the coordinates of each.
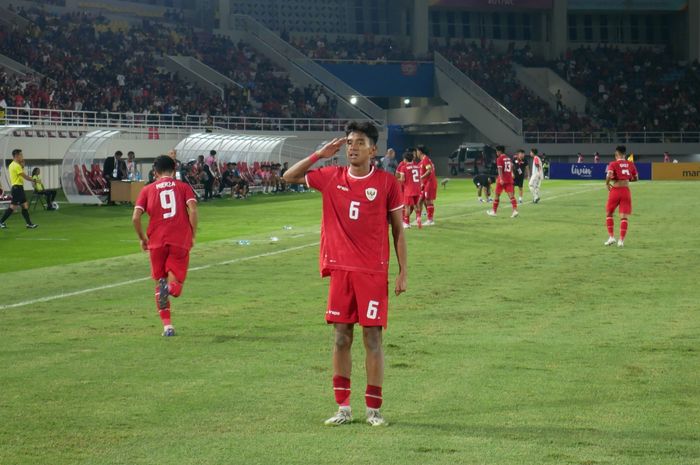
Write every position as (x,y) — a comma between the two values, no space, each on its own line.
(19,158)
(359,149)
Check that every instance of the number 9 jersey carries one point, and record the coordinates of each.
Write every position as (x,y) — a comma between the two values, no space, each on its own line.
(355,223)
(165,201)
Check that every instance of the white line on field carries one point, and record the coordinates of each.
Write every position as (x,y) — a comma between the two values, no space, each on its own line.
(138,280)
(39,239)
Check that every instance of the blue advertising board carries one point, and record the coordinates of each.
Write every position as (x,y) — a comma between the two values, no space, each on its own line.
(590,170)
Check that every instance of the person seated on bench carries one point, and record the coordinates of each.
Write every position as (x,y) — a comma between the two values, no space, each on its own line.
(50,194)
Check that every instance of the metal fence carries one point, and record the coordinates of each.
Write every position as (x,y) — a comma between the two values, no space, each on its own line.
(91,119)
(611,137)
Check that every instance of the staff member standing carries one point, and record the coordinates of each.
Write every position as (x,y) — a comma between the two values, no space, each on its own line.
(17,177)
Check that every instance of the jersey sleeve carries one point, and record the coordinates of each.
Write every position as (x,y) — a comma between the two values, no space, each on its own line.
(394,197)
(499,162)
(318,178)
(633,170)
(611,167)
(187,191)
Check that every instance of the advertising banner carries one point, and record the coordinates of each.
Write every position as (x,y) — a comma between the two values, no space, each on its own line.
(595,171)
(627,5)
(676,172)
(494,4)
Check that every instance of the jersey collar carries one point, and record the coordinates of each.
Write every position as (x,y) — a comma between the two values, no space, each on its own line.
(371,171)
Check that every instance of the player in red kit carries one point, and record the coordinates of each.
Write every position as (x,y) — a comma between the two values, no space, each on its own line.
(504,182)
(360,202)
(172,209)
(620,173)
(408,174)
(428,182)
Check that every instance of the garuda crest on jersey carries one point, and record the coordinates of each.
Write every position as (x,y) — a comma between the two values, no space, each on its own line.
(371,193)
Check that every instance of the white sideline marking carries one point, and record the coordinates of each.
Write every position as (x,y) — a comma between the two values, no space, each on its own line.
(138,280)
(39,239)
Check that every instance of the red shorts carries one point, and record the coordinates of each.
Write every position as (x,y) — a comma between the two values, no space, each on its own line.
(358,297)
(169,258)
(622,197)
(410,200)
(504,187)
(430,191)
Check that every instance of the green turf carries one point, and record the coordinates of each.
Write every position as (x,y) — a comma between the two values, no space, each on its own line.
(519,341)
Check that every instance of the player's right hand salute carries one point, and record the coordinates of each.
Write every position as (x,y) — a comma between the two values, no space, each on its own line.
(296,173)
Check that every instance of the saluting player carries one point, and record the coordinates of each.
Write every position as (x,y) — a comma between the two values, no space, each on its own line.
(359,204)
(620,173)
(172,209)
(408,174)
(428,182)
(504,181)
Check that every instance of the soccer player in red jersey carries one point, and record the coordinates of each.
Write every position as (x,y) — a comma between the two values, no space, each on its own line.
(408,174)
(360,202)
(620,173)
(172,209)
(504,182)
(428,182)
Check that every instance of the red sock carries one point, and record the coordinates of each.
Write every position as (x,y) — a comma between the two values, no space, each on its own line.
(431,212)
(513,203)
(175,288)
(165,316)
(495,205)
(623,228)
(373,396)
(341,388)
(610,223)
(405,217)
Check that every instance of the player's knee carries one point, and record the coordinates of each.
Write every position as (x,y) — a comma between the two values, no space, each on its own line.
(373,340)
(343,340)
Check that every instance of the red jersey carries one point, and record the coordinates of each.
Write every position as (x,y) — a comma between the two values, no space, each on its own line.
(506,164)
(411,179)
(165,201)
(622,170)
(424,163)
(354,227)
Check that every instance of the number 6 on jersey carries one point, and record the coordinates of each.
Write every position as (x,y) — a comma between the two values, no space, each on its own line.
(354,210)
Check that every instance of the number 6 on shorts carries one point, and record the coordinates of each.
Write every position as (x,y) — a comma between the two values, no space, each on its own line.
(372,309)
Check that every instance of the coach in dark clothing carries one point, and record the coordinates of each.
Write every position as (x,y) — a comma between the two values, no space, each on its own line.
(113,168)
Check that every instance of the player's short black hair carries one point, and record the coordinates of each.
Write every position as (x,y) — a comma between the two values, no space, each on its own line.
(16,152)
(212,152)
(501,149)
(164,164)
(118,153)
(408,155)
(35,171)
(621,148)
(423,149)
(534,151)
(365,127)
(521,150)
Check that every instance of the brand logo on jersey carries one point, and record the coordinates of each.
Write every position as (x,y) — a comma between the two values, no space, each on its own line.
(583,172)
(371,193)
(342,188)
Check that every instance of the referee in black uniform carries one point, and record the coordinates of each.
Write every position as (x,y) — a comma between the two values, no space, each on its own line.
(520,172)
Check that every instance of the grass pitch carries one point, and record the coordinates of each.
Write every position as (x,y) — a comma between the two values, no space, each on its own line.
(520,341)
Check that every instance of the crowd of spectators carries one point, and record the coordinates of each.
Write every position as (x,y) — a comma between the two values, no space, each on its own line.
(494,72)
(369,49)
(635,90)
(92,64)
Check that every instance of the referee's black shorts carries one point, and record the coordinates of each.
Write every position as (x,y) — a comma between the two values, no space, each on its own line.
(518,181)
(18,195)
